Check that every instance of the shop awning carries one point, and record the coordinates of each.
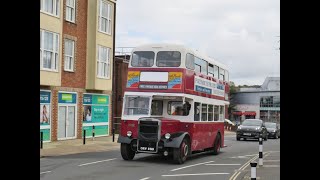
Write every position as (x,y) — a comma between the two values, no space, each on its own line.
(239,113)
(249,113)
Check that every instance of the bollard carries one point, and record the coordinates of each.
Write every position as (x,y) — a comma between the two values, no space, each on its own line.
(113,134)
(84,136)
(93,132)
(260,151)
(253,170)
(41,140)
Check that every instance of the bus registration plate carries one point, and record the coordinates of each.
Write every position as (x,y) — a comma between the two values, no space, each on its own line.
(147,146)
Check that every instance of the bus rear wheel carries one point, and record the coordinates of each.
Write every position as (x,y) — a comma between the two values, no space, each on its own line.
(180,154)
(126,152)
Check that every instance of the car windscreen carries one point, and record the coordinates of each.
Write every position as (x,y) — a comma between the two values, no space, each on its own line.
(251,123)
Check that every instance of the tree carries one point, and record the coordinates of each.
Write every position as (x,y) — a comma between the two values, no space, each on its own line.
(233,91)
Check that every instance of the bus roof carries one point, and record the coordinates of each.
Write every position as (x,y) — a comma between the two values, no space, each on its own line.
(181,48)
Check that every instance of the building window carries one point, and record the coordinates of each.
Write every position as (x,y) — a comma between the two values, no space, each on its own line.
(103,63)
(71,10)
(105,17)
(50,6)
(270,101)
(68,55)
(49,50)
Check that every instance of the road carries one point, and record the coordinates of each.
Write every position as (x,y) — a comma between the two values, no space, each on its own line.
(231,163)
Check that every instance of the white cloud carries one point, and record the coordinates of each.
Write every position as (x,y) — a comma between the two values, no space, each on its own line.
(241,34)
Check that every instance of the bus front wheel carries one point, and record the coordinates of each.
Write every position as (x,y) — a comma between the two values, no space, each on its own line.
(180,154)
(126,152)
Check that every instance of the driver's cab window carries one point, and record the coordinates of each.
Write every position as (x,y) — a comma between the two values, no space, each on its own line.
(177,108)
(156,108)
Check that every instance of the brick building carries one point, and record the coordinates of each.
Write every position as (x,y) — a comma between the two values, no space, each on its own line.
(76,67)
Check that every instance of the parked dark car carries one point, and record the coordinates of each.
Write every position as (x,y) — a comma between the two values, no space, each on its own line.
(251,129)
(273,130)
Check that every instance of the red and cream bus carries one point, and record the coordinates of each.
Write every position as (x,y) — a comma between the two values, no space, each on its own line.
(175,103)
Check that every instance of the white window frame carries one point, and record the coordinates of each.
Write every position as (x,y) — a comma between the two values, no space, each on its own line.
(105,18)
(66,68)
(106,63)
(73,11)
(55,51)
(56,8)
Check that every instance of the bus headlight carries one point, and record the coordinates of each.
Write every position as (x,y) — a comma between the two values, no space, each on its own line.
(167,136)
(129,133)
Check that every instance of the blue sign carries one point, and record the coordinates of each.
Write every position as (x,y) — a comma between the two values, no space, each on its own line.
(68,98)
(203,89)
(45,97)
(220,86)
(87,99)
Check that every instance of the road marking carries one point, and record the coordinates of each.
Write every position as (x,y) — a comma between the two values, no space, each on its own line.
(223,164)
(271,165)
(45,172)
(191,166)
(247,164)
(97,162)
(244,156)
(145,178)
(234,176)
(201,174)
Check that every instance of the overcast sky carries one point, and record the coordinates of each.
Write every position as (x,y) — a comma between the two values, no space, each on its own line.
(243,34)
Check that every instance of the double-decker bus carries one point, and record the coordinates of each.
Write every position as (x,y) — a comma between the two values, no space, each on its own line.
(175,103)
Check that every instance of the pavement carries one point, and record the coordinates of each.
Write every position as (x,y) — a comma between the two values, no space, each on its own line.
(231,164)
(75,146)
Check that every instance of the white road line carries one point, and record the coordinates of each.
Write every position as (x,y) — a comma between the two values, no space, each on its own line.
(271,165)
(223,164)
(45,172)
(191,166)
(201,174)
(97,162)
(145,178)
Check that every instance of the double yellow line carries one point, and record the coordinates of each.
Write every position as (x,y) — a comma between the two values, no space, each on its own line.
(243,167)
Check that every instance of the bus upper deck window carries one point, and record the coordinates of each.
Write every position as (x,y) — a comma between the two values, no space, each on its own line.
(142,59)
(168,59)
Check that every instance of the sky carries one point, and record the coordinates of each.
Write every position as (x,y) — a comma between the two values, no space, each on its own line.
(242,34)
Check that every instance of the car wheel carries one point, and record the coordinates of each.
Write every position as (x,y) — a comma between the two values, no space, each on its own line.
(276,136)
(238,139)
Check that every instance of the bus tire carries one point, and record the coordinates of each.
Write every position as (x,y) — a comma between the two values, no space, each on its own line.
(126,152)
(180,154)
(217,145)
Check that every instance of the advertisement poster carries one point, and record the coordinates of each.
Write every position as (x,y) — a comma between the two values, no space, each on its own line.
(45,114)
(96,113)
